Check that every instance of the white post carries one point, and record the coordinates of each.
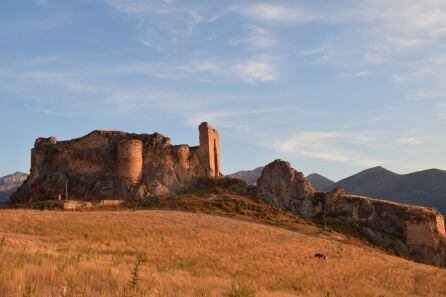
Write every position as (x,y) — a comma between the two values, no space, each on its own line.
(66,190)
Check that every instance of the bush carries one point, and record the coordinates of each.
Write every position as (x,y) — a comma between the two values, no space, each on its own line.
(134,281)
(240,290)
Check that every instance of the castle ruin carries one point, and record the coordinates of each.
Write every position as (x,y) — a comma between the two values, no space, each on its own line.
(116,165)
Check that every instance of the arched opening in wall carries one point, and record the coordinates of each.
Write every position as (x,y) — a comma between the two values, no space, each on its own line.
(217,170)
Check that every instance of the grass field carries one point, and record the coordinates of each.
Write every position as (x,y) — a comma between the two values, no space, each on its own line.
(172,253)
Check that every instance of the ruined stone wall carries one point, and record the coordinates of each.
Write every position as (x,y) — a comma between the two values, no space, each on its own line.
(424,230)
(129,160)
(113,165)
(210,148)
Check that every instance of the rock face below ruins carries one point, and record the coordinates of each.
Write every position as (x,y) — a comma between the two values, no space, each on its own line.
(117,165)
(412,231)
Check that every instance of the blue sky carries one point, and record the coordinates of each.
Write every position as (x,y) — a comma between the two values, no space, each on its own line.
(334,87)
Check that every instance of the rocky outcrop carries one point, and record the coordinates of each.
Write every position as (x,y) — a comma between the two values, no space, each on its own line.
(116,165)
(10,183)
(412,231)
(286,188)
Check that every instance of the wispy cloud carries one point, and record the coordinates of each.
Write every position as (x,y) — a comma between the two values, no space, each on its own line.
(62,80)
(356,74)
(424,95)
(42,2)
(256,71)
(410,140)
(329,146)
(278,13)
(258,38)
(217,116)
(26,28)
(441,111)
(163,22)
(52,113)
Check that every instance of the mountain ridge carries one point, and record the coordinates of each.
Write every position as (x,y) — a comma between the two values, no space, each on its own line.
(9,184)
(425,187)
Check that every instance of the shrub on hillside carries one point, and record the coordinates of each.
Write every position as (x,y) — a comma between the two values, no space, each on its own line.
(240,290)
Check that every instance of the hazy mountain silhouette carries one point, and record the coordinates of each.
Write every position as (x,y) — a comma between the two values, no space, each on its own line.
(320,182)
(249,176)
(10,183)
(427,187)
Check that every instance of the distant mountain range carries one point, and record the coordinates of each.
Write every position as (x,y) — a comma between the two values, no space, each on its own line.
(319,182)
(426,188)
(10,183)
(249,176)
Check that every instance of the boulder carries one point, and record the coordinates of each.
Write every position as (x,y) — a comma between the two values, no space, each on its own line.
(285,187)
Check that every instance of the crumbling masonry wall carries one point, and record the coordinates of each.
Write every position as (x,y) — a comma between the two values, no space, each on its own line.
(117,165)
(210,149)
(129,160)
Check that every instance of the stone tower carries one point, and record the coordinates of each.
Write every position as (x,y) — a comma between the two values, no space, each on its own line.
(129,160)
(210,149)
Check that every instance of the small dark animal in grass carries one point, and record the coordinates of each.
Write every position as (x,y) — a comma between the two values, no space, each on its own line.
(320,256)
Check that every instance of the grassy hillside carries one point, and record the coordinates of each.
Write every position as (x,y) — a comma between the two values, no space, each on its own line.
(172,253)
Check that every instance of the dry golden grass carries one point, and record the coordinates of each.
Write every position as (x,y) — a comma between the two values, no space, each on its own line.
(54,253)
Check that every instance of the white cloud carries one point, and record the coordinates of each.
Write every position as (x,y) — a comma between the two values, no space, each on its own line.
(162,23)
(62,80)
(42,2)
(135,7)
(331,146)
(258,38)
(442,111)
(356,74)
(256,71)
(376,57)
(411,140)
(216,116)
(321,50)
(401,41)
(52,113)
(423,95)
(278,13)
(32,27)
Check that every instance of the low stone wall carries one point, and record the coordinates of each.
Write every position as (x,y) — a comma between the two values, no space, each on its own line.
(74,205)
(110,203)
